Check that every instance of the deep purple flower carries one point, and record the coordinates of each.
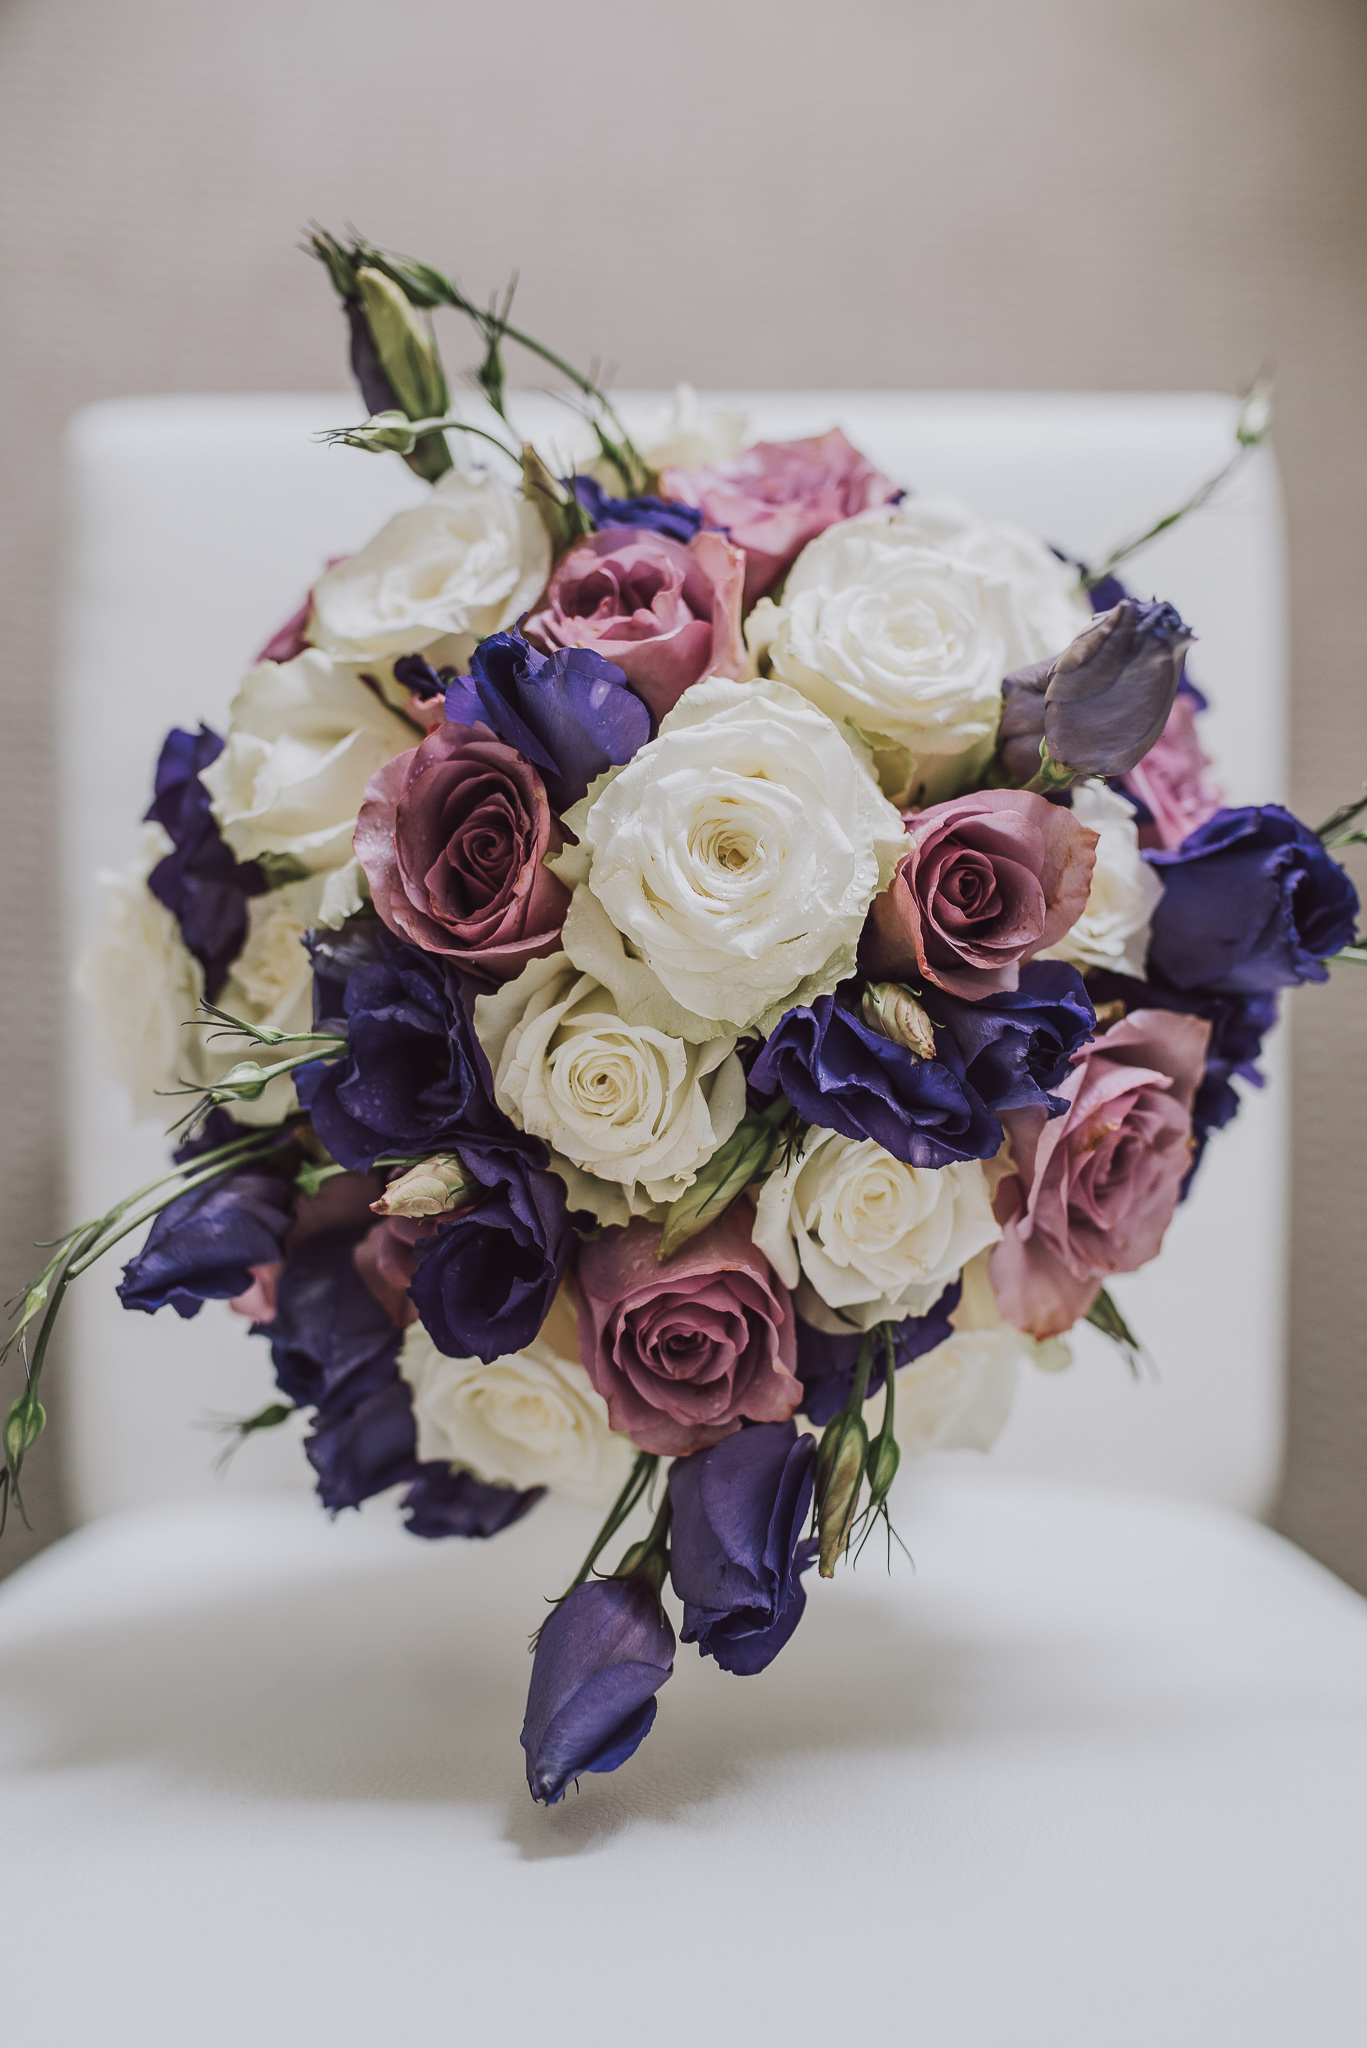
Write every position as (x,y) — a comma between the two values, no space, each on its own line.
(444,1502)
(485,1281)
(1017,1045)
(601,1658)
(414,1079)
(1103,701)
(569,712)
(1251,902)
(737,1549)
(836,1070)
(826,1363)
(203,1245)
(680,522)
(201,882)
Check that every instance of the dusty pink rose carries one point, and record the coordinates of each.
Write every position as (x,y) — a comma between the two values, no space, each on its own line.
(338,1203)
(667,614)
(385,1259)
(259,1302)
(683,1353)
(453,838)
(1094,1189)
(989,879)
(1172,780)
(775,497)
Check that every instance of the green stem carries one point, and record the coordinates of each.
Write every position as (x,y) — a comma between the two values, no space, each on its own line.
(642,1472)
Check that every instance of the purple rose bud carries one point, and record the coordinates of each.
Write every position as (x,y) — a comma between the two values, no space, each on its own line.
(601,1658)
(737,1547)
(1101,704)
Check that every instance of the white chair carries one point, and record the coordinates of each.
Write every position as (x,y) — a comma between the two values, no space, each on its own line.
(1095,1774)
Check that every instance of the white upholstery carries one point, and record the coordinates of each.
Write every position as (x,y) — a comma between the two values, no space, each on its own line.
(196,524)
(1094,1777)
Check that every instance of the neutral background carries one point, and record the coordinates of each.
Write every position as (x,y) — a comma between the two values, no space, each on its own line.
(1040,194)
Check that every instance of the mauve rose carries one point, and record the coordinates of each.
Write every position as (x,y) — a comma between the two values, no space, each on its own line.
(684,1352)
(1171,780)
(666,614)
(775,497)
(990,879)
(453,838)
(1094,1190)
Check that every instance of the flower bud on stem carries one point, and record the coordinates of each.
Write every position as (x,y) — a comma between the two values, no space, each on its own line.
(840,1466)
(638,1481)
(431,1188)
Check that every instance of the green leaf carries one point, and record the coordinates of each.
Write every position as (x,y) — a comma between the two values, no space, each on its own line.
(1103,1315)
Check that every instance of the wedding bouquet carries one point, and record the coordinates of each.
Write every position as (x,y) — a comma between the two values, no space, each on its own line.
(731,958)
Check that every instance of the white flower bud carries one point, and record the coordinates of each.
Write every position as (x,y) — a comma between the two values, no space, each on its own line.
(894,1010)
(430,1189)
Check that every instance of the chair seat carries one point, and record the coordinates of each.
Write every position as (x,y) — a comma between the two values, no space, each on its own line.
(1094,1773)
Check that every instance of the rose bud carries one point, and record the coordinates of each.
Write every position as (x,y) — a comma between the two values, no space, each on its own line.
(737,1547)
(600,1660)
(427,1190)
(1100,705)
(893,1010)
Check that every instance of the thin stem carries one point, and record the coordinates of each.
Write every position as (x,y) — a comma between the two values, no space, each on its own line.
(360,437)
(642,1472)
(1199,497)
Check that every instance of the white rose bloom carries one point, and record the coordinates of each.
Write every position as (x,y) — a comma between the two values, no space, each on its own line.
(904,623)
(530,1419)
(685,434)
(1113,930)
(145,987)
(304,738)
(466,562)
(856,1232)
(737,853)
(957,1397)
(629,1104)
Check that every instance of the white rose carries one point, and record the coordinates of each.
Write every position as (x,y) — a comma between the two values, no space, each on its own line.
(466,562)
(738,853)
(904,623)
(304,738)
(855,1231)
(1113,930)
(957,1397)
(530,1419)
(144,987)
(625,1103)
(685,433)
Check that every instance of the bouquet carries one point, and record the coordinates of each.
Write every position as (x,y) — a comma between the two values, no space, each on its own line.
(700,961)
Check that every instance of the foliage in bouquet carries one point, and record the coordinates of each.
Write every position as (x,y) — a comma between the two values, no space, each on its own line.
(704,963)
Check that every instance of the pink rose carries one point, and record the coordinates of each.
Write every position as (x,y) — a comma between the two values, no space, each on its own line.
(1171,779)
(667,614)
(1094,1189)
(683,1352)
(990,879)
(775,497)
(453,837)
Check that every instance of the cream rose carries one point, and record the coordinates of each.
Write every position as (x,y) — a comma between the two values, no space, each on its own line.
(628,1104)
(959,1396)
(864,1239)
(738,854)
(530,1419)
(903,624)
(304,738)
(466,562)
(1113,930)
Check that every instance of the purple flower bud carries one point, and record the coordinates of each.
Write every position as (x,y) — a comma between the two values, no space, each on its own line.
(737,1547)
(1101,704)
(601,1658)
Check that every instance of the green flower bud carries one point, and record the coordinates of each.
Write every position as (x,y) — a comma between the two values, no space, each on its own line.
(892,1009)
(23,1426)
(406,349)
(883,1462)
(429,1189)
(839,1475)
(727,1174)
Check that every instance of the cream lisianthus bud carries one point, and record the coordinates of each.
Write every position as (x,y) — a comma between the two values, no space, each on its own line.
(404,345)
(429,1189)
(892,1009)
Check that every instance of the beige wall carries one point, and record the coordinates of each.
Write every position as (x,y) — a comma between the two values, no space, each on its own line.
(1029,193)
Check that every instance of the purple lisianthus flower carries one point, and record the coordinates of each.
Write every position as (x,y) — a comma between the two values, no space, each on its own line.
(600,1660)
(736,1546)
(203,1245)
(1251,902)
(836,1070)
(1017,1044)
(826,1361)
(414,1079)
(445,1502)
(680,522)
(485,1280)
(569,712)
(201,882)
(1103,701)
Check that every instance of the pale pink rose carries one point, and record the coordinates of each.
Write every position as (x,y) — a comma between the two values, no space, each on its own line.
(989,880)
(775,497)
(453,838)
(1094,1189)
(684,1352)
(666,614)
(1172,780)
